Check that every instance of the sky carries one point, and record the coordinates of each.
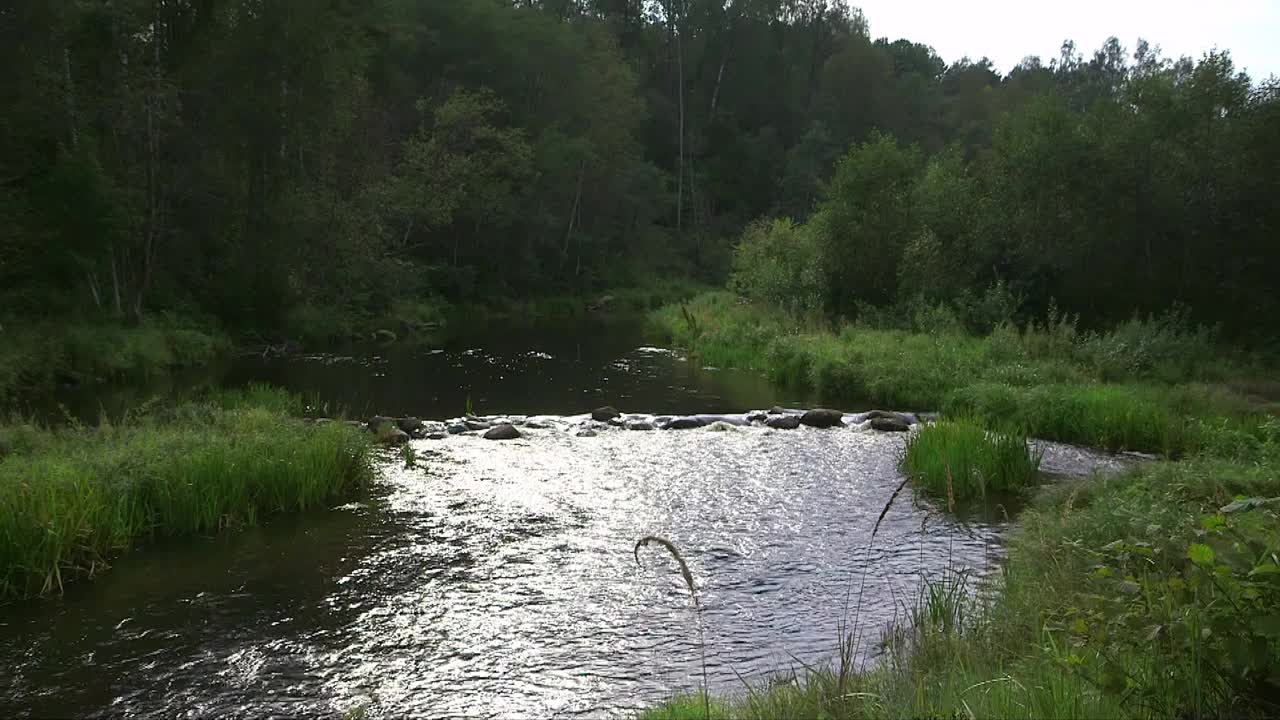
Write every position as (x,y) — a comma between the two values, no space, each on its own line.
(1008,30)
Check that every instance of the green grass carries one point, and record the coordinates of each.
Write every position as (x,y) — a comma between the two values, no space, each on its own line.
(958,459)
(1048,380)
(646,296)
(34,356)
(73,499)
(260,396)
(1151,594)
(1133,596)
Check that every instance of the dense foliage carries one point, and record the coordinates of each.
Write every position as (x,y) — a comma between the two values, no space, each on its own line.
(269,166)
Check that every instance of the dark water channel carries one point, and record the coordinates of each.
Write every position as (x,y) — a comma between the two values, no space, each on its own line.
(496,579)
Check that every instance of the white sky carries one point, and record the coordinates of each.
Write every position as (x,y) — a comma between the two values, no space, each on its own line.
(1008,30)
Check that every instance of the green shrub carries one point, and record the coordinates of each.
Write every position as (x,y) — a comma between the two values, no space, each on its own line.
(317,324)
(778,262)
(1165,347)
(41,354)
(958,459)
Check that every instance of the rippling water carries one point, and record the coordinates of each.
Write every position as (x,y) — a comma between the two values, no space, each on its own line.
(496,579)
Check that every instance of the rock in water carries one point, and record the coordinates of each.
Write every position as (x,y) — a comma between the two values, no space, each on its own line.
(639,425)
(586,432)
(757,416)
(409,424)
(605,414)
(783,422)
(476,424)
(685,423)
(502,432)
(822,418)
(437,436)
(393,436)
(378,422)
(889,424)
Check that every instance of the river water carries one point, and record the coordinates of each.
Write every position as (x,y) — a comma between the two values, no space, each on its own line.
(497,579)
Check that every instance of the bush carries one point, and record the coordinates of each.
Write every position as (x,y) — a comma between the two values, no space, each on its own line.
(316,324)
(778,262)
(997,305)
(958,460)
(1165,348)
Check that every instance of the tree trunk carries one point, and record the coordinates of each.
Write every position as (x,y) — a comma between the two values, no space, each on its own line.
(74,132)
(115,283)
(724,58)
(92,280)
(573,213)
(675,20)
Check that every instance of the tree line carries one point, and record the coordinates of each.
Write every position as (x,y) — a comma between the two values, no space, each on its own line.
(248,161)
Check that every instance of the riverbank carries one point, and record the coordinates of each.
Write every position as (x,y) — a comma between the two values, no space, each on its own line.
(73,499)
(434,318)
(1143,387)
(37,356)
(1154,593)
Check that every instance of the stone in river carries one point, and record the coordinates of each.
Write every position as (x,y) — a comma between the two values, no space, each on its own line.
(822,418)
(783,422)
(505,431)
(605,414)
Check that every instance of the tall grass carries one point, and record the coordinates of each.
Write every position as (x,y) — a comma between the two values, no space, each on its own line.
(74,499)
(1146,595)
(959,460)
(1047,378)
(38,355)
(674,551)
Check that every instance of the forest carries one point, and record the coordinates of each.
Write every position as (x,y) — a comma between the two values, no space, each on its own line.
(1079,252)
(276,170)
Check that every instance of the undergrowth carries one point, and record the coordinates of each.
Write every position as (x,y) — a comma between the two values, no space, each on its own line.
(1048,379)
(43,354)
(1148,594)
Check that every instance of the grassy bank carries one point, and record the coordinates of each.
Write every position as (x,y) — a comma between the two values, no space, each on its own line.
(40,355)
(1144,386)
(73,499)
(1152,594)
(1155,593)
(433,318)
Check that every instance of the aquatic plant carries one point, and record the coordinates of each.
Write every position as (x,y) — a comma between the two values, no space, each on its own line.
(71,503)
(697,606)
(958,459)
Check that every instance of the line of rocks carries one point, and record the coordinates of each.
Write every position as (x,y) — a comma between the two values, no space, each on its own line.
(397,431)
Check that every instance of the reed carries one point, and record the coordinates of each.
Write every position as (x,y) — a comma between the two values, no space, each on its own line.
(697,606)
(959,460)
(79,498)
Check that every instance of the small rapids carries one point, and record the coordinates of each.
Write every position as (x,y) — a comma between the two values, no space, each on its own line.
(496,579)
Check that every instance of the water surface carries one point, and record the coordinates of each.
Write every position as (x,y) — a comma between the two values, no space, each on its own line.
(496,579)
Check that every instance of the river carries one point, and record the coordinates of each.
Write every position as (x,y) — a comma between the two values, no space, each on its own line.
(497,579)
